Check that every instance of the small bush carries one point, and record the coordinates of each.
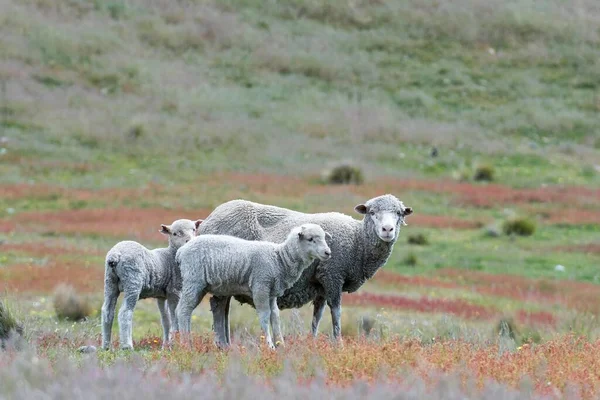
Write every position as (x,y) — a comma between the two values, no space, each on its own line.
(8,323)
(345,174)
(418,239)
(69,305)
(410,259)
(519,226)
(484,173)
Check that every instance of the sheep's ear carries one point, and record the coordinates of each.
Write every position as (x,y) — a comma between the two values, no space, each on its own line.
(165,229)
(198,222)
(361,209)
(408,211)
(301,235)
(328,235)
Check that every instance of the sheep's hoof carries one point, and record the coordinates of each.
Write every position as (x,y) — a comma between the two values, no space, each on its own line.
(280,343)
(127,347)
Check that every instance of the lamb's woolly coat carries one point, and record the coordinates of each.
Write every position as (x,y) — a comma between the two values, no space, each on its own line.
(225,265)
(142,273)
(357,251)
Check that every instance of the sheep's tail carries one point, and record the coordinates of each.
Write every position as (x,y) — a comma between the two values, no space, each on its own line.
(112,260)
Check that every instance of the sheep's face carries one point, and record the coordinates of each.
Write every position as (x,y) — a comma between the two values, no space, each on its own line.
(386,215)
(312,241)
(180,232)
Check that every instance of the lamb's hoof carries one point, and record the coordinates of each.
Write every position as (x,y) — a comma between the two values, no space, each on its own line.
(88,349)
(127,347)
(280,343)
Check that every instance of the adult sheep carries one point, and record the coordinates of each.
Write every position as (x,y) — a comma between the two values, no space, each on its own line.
(359,249)
(227,265)
(141,273)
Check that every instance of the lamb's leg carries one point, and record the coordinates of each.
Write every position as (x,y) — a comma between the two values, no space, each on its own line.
(191,295)
(263,308)
(172,301)
(111,294)
(335,304)
(319,307)
(165,320)
(275,322)
(126,319)
(220,310)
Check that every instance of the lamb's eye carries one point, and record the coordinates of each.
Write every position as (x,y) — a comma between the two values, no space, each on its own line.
(399,213)
(175,234)
(311,240)
(372,212)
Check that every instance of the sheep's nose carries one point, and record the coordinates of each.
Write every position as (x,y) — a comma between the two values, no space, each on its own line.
(387,228)
(327,253)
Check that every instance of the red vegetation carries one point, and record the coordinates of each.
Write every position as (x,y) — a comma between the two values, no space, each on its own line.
(44,278)
(460,308)
(132,223)
(48,248)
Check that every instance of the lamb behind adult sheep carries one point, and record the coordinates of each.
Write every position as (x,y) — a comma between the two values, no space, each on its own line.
(225,265)
(142,273)
(359,249)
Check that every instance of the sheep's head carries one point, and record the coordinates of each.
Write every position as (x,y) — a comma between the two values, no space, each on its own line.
(180,232)
(311,238)
(386,215)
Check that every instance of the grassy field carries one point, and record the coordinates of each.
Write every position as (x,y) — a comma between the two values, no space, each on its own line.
(117,116)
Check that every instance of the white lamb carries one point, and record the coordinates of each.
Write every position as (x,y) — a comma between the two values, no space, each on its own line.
(225,265)
(142,273)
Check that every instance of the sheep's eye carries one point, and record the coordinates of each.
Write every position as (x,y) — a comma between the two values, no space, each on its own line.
(311,240)
(372,212)
(399,213)
(175,234)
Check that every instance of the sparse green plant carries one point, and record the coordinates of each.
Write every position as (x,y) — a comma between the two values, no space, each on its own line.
(410,259)
(418,239)
(345,174)
(484,173)
(69,305)
(8,322)
(519,226)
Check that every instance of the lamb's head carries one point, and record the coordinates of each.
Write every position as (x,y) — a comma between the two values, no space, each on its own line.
(180,231)
(311,241)
(385,215)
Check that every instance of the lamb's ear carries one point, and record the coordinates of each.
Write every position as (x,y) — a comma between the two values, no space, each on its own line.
(328,235)
(198,222)
(301,235)
(165,229)
(361,209)
(408,211)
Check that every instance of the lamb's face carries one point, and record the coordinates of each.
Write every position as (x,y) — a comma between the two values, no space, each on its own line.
(181,231)
(312,240)
(386,214)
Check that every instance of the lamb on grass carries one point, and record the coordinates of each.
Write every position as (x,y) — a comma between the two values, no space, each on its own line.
(359,249)
(225,265)
(141,273)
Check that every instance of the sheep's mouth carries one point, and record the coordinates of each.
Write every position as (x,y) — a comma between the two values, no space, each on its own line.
(324,257)
(387,237)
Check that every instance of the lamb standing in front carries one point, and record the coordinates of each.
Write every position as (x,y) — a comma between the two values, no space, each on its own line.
(142,273)
(359,249)
(225,266)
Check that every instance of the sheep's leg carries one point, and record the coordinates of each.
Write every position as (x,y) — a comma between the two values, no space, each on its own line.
(263,307)
(172,301)
(319,307)
(191,296)
(165,320)
(335,304)
(276,322)
(111,294)
(126,319)
(220,310)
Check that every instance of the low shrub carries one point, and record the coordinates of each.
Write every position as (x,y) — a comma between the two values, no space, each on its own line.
(69,305)
(519,226)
